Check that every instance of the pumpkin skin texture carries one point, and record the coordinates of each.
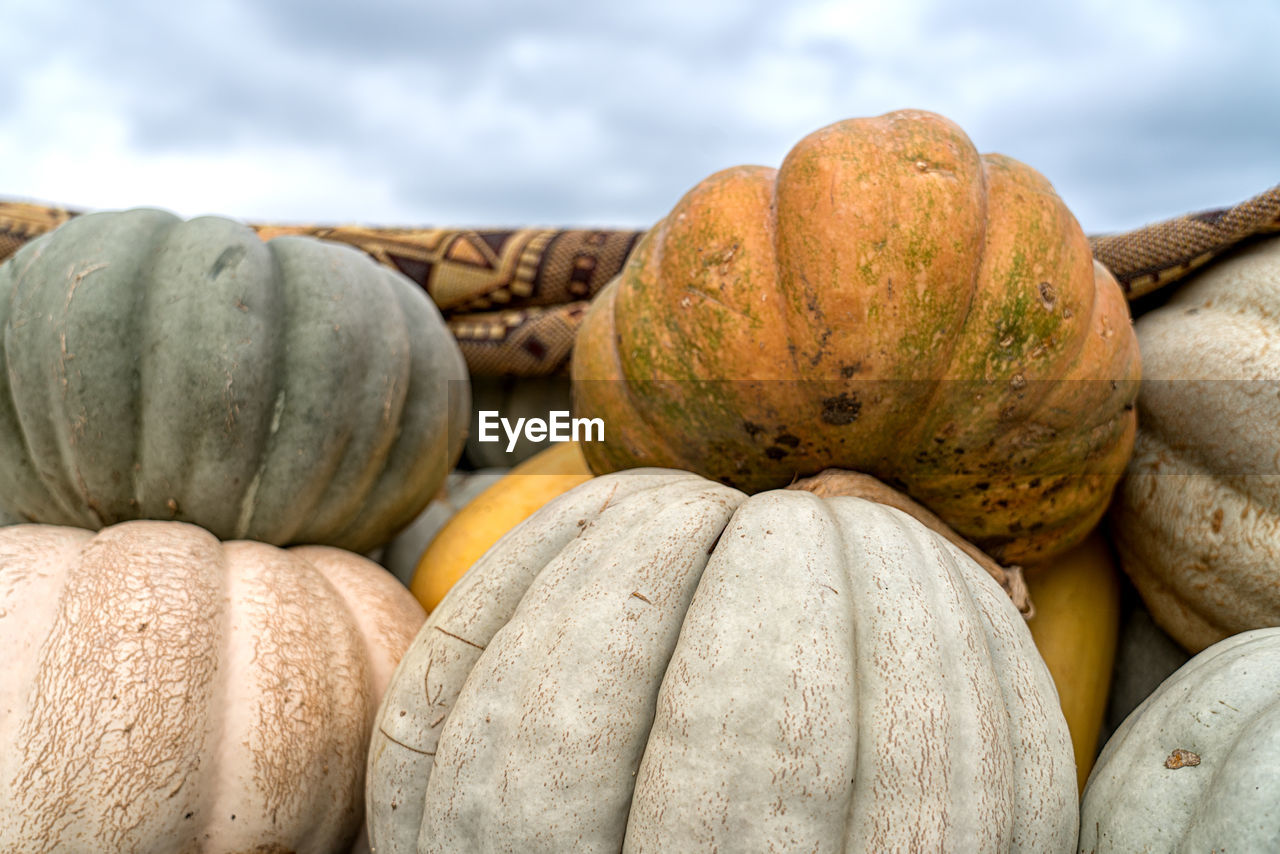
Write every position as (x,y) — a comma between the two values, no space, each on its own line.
(164,691)
(1197,519)
(492,513)
(284,391)
(888,301)
(654,661)
(1220,706)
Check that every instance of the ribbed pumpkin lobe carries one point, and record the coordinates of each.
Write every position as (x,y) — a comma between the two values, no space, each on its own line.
(887,301)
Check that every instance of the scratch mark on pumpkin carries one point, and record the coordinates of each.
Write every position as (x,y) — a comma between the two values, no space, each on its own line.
(389,737)
(251,494)
(448,633)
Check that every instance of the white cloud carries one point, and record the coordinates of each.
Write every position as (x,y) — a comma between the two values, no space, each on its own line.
(560,112)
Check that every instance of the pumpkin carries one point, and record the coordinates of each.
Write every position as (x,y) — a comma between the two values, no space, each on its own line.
(164,691)
(1197,766)
(1076,595)
(887,301)
(401,555)
(655,661)
(284,391)
(1197,520)
(492,513)
(1076,621)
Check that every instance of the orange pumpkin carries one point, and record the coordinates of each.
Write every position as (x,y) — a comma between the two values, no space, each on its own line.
(887,301)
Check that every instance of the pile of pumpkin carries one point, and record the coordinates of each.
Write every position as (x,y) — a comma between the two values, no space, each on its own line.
(684,646)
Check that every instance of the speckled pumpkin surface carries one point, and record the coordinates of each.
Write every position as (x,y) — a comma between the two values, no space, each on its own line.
(1197,519)
(162,691)
(1196,767)
(887,301)
(656,662)
(288,391)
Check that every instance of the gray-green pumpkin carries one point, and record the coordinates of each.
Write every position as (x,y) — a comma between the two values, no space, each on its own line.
(286,391)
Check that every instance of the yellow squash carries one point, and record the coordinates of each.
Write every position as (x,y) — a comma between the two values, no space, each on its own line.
(492,513)
(1077,599)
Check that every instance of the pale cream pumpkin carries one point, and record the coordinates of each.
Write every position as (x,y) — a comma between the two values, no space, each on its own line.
(656,662)
(163,691)
(1197,517)
(1196,767)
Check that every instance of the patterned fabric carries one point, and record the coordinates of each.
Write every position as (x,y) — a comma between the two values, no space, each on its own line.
(514,298)
(1149,257)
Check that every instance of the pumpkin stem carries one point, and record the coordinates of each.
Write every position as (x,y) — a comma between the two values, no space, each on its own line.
(835,482)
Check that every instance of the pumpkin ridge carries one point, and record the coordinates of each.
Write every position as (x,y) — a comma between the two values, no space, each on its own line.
(138,275)
(946,608)
(514,667)
(144,278)
(222,677)
(392,429)
(364,451)
(958,334)
(30,254)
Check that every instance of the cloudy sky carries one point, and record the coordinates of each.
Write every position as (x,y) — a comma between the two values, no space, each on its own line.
(603,113)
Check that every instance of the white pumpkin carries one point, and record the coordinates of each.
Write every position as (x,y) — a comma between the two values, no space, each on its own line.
(1197,766)
(162,691)
(656,662)
(1197,517)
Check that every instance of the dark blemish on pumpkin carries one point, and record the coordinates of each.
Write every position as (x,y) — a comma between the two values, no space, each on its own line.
(1180,758)
(1034,483)
(982,487)
(142,627)
(1216,522)
(715,542)
(788,440)
(1048,296)
(847,371)
(890,287)
(959,451)
(188,815)
(753,430)
(1128,407)
(230,256)
(635,594)
(1192,311)
(841,409)
(822,343)
(1002,503)
(773,452)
